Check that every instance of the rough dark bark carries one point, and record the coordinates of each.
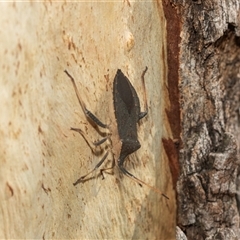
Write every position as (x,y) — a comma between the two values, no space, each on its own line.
(209,101)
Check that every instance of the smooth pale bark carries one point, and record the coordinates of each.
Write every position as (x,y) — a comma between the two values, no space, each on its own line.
(41,157)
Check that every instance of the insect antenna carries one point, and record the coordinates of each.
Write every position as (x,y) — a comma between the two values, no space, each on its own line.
(137,180)
(81,179)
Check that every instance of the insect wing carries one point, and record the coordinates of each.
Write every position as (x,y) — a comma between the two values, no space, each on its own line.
(126,106)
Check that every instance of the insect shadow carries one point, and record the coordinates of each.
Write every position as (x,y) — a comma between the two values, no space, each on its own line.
(123,130)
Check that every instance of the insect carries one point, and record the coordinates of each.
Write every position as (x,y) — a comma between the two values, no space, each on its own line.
(123,131)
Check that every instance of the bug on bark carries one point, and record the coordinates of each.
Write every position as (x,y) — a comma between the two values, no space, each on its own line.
(123,130)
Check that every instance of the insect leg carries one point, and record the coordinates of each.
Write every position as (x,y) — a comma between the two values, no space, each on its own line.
(95,168)
(140,182)
(143,114)
(87,113)
(105,169)
(90,143)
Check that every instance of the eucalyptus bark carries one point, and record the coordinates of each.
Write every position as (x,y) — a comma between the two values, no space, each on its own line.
(209,102)
(41,157)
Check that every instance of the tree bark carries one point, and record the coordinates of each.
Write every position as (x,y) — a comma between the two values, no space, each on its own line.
(41,157)
(209,102)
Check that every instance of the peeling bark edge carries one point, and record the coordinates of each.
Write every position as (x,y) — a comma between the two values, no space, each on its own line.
(171,146)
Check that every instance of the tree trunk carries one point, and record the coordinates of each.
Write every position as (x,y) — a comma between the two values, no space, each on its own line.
(41,157)
(209,99)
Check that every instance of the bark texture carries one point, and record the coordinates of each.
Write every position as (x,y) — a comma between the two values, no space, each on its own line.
(41,157)
(209,98)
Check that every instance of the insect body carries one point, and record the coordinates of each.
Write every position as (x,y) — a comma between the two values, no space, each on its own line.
(127,114)
(123,130)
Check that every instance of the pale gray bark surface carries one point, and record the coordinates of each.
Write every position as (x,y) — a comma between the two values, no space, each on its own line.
(210,97)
